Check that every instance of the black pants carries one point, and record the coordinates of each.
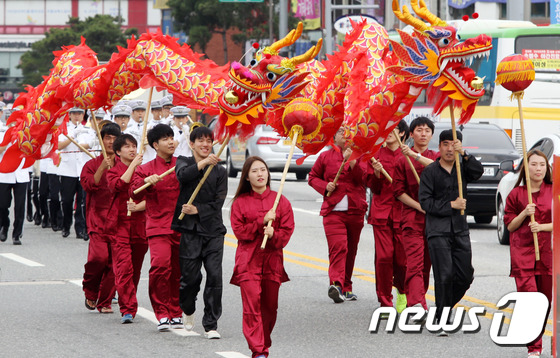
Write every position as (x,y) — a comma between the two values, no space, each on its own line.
(18,190)
(33,197)
(69,188)
(194,251)
(453,271)
(54,200)
(44,196)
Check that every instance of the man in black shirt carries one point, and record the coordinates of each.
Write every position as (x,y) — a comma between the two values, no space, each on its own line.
(202,230)
(447,231)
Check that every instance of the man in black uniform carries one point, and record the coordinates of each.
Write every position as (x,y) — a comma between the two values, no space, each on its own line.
(447,231)
(202,230)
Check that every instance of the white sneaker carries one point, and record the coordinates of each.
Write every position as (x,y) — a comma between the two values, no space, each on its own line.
(164,325)
(212,335)
(188,322)
(177,323)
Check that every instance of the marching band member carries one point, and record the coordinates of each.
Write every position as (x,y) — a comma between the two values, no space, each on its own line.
(166,105)
(180,125)
(343,213)
(202,230)
(163,241)
(257,272)
(385,217)
(129,244)
(99,279)
(531,275)
(121,116)
(412,215)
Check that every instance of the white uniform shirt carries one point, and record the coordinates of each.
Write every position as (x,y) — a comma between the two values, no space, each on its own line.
(71,160)
(182,136)
(17,176)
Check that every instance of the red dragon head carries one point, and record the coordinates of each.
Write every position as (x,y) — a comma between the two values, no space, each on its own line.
(270,81)
(434,56)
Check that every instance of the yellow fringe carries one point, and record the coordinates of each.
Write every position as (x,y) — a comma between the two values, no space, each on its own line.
(296,130)
(516,95)
(523,75)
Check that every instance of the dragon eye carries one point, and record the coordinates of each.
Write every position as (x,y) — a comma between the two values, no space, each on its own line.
(458,37)
(253,62)
(443,42)
(271,76)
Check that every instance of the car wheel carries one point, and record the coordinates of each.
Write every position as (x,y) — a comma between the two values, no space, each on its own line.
(503,233)
(483,219)
(231,171)
(301,175)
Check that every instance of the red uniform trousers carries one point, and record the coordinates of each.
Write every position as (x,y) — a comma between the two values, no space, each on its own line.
(128,256)
(343,235)
(99,279)
(537,283)
(418,266)
(165,273)
(260,306)
(390,262)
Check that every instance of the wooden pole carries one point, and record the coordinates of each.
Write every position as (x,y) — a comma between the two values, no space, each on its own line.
(145,124)
(96,127)
(407,157)
(147,185)
(457,162)
(527,179)
(383,171)
(338,174)
(210,167)
(80,147)
(284,174)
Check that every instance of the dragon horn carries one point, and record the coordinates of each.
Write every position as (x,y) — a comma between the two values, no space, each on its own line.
(286,41)
(312,52)
(425,14)
(407,18)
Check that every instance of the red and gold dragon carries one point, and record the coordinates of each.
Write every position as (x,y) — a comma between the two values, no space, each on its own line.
(370,83)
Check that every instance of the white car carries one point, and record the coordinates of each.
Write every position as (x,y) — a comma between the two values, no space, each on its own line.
(550,146)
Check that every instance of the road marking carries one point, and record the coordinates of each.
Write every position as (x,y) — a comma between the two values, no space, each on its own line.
(20,283)
(306,211)
(232,355)
(21,260)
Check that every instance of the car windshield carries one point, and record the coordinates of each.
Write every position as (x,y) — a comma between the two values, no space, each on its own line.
(478,138)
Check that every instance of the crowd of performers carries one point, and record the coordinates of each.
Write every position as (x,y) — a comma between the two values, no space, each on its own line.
(417,226)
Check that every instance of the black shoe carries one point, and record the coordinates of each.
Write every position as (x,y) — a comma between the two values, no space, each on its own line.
(17,241)
(86,236)
(3,236)
(56,228)
(29,217)
(45,223)
(65,233)
(80,235)
(37,218)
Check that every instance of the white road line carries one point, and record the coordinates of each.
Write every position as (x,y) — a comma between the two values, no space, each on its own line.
(306,211)
(21,260)
(76,282)
(232,355)
(32,283)
(150,316)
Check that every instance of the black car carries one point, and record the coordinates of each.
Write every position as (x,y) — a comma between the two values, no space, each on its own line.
(491,145)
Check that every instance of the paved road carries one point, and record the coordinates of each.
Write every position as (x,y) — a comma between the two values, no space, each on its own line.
(42,312)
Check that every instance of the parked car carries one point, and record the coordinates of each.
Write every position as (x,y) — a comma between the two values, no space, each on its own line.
(267,144)
(550,146)
(491,145)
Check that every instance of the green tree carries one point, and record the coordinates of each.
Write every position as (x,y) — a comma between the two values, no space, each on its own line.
(102,34)
(217,17)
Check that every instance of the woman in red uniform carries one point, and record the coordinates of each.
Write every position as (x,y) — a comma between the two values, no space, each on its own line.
(531,275)
(257,272)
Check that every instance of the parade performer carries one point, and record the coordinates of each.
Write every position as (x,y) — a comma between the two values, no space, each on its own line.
(180,125)
(343,213)
(447,230)
(257,272)
(531,275)
(129,244)
(385,217)
(202,230)
(412,215)
(163,241)
(99,279)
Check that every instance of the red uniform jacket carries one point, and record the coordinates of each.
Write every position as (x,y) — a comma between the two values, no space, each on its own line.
(160,198)
(384,205)
(350,182)
(405,182)
(118,223)
(521,243)
(98,198)
(247,215)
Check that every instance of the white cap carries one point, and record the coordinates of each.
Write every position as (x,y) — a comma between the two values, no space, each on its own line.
(180,111)
(122,110)
(77,110)
(137,104)
(166,101)
(100,113)
(156,104)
